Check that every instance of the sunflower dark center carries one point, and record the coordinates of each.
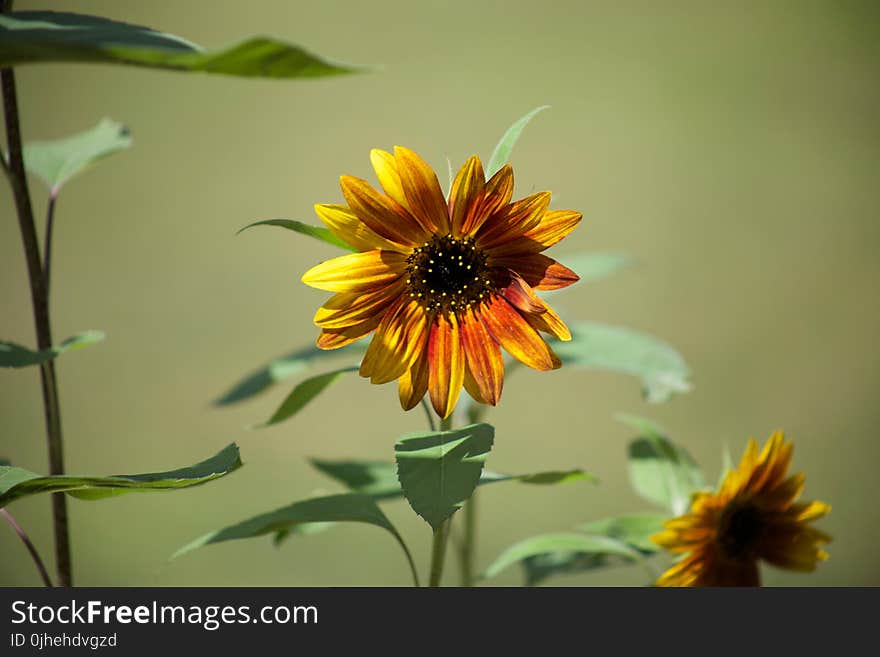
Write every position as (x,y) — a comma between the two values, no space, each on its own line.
(448,273)
(740,529)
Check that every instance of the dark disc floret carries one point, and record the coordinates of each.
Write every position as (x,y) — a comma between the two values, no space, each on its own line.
(448,273)
(740,529)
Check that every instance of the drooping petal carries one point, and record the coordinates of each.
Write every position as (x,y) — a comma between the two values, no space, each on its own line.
(445,364)
(513,221)
(336,338)
(413,384)
(382,214)
(345,224)
(535,310)
(554,226)
(538,270)
(517,337)
(422,190)
(386,171)
(349,308)
(357,272)
(484,360)
(466,194)
(399,338)
(496,195)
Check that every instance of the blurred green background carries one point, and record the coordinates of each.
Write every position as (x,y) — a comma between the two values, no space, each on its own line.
(732,148)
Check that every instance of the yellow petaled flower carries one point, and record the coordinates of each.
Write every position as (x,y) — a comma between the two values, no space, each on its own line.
(754,516)
(444,284)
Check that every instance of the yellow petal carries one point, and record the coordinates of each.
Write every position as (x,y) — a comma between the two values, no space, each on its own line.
(348,308)
(517,337)
(466,194)
(345,224)
(357,272)
(422,190)
(483,356)
(445,364)
(382,214)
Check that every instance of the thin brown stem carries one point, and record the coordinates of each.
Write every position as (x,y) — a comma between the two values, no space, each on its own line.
(38,562)
(47,242)
(40,303)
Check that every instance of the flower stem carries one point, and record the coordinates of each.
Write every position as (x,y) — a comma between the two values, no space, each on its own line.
(30,546)
(467,546)
(441,534)
(40,303)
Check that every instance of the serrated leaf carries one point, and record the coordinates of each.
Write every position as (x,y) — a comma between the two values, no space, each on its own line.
(16,483)
(280,369)
(504,147)
(46,36)
(56,161)
(303,393)
(661,471)
(348,507)
(378,479)
(634,529)
(14,355)
(439,471)
(318,232)
(660,367)
(567,547)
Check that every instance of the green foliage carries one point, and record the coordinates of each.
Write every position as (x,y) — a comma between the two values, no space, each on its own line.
(439,471)
(14,355)
(569,549)
(508,140)
(45,36)
(318,232)
(634,529)
(661,471)
(16,483)
(592,265)
(378,479)
(348,507)
(279,369)
(305,392)
(56,161)
(660,367)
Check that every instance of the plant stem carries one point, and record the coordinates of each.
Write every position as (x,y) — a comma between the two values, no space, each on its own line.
(469,541)
(47,243)
(40,303)
(30,547)
(441,534)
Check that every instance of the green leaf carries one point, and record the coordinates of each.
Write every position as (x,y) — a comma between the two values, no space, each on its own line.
(593,265)
(45,36)
(439,471)
(661,368)
(348,507)
(508,140)
(634,529)
(318,232)
(566,546)
(303,393)
(58,160)
(14,355)
(661,471)
(378,479)
(280,369)
(16,483)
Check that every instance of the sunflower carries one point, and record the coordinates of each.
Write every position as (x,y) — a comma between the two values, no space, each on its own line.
(444,285)
(754,516)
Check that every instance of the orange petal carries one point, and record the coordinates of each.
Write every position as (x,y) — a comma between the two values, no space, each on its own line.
(496,195)
(422,190)
(345,224)
(554,226)
(466,194)
(514,221)
(348,308)
(517,337)
(484,361)
(383,215)
(550,322)
(521,296)
(357,272)
(413,384)
(386,171)
(399,338)
(539,271)
(336,338)
(445,364)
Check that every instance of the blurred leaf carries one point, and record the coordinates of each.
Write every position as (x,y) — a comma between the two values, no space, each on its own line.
(5,461)
(303,393)
(661,471)
(660,367)
(633,529)
(16,483)
(508,140)
(318,232)
(439,471)
(278,370)
(348,507)
(593,265)
(47,36)
(58,160)
(378,479)
(566,546)
(14,355)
